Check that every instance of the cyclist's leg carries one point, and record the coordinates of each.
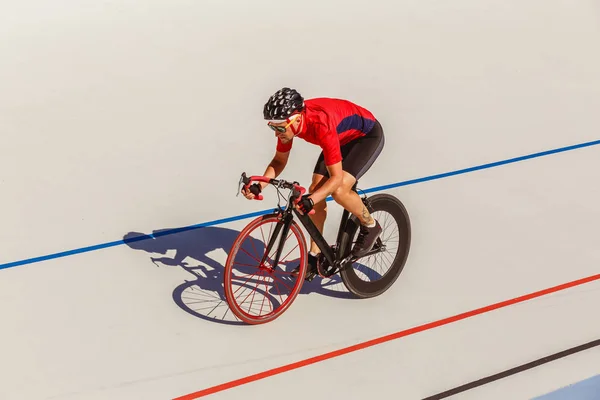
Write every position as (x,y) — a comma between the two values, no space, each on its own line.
(319,177)
(318,218)
(366,151)
(359,156)
(350,200)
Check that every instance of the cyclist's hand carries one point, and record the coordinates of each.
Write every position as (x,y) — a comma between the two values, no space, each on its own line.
(305,205)
(253,191)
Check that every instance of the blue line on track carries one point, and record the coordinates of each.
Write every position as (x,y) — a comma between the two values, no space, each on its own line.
(258,213)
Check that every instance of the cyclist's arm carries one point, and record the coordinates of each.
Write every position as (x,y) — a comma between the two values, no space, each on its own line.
(335,180)
(276,166)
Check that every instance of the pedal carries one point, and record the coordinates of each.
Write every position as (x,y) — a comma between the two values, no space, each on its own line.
(310,276)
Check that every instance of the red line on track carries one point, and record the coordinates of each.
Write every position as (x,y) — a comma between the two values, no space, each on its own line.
(383,339)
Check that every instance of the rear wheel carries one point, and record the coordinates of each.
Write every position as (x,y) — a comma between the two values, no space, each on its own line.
(250,284)
(372,275)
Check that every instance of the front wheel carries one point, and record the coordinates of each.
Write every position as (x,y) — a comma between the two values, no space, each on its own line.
(249,283)
(367,276)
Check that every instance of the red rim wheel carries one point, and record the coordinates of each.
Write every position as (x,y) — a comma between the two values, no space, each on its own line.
(257,293)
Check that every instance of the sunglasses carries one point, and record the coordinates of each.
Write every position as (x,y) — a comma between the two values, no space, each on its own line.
(282,129)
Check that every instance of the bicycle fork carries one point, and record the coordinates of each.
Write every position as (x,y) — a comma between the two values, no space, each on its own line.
(284,228)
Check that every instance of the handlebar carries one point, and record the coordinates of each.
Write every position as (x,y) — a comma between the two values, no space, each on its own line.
(297,190)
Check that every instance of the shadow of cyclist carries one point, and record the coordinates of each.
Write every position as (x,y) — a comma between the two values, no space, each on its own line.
(202,252)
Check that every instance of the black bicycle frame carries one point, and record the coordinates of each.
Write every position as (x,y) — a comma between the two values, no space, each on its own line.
(287,217)
(320,241)
(284,227)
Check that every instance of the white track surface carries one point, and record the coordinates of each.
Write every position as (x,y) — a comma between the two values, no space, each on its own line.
(130,116)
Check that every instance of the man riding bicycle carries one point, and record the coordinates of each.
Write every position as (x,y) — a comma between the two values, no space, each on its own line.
(351,139)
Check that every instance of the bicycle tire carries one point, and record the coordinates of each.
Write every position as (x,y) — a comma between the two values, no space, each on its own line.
(358,287)
(295,234)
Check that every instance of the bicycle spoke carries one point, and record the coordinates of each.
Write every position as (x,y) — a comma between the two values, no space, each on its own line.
(244,250)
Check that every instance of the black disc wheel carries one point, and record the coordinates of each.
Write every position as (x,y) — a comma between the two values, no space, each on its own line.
(375,273)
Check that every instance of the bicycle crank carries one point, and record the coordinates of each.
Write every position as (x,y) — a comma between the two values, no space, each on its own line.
(325,269)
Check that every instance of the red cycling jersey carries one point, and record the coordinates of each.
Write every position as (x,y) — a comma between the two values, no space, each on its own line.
(331,123)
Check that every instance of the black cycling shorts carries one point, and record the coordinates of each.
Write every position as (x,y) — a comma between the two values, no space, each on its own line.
(357,155)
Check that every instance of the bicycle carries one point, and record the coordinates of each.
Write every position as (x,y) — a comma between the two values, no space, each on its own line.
(333,259)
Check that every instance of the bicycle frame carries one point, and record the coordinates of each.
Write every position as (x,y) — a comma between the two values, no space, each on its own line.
(287,215)
(283,227)
(331,255)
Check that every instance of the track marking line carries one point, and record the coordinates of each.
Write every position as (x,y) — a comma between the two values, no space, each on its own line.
(383,339)
(515,370)
(259,213)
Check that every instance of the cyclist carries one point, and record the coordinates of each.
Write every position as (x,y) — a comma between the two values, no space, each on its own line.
(350,137)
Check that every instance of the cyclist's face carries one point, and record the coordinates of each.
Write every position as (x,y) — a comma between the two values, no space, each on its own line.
(290,127)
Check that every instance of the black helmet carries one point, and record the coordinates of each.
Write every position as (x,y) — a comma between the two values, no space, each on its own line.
(282,104)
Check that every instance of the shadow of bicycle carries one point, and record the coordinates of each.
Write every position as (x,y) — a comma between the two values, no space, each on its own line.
(202,252)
